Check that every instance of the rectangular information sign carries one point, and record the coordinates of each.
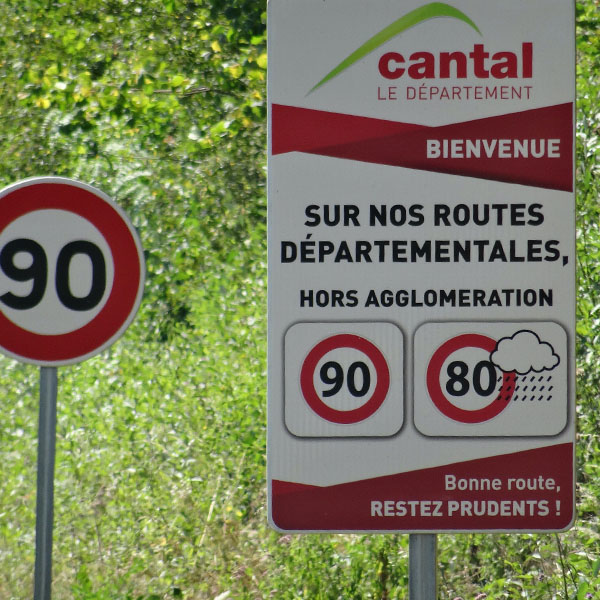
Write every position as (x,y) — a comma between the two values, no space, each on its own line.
(421,265)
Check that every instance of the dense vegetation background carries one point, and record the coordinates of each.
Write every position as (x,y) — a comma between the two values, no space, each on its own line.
(160,489)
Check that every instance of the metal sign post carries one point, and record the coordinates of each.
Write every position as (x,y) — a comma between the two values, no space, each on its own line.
(422,566)
(45,484)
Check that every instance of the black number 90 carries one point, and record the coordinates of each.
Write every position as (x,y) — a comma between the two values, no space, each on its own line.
(332,373)
(37,273)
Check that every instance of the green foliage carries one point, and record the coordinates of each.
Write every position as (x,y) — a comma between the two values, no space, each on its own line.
(588,323)
(160,468)
(160,104)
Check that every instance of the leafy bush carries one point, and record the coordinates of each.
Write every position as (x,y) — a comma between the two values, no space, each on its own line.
(160,461)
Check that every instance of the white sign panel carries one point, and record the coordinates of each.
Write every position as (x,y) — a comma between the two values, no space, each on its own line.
(421,265)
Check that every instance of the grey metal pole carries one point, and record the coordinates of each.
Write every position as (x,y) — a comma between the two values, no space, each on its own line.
(45,484)
(422,566)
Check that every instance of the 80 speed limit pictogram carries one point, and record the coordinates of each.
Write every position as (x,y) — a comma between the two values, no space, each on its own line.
(71,271)
(490,379)
(464,383)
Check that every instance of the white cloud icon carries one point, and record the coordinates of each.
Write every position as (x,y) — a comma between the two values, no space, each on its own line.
(524,352)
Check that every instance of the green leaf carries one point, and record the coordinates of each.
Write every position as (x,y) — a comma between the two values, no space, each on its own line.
(177,80)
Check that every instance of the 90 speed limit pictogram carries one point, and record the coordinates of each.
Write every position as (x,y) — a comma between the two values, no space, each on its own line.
(345,382)
(71,271)
(345,378)
(490,379)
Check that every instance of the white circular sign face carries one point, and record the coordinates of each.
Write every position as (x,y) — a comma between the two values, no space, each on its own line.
(50,316)
(345,378)
(71,271)
(470,380)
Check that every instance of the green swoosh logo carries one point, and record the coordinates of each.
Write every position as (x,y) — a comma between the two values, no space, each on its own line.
(423,13)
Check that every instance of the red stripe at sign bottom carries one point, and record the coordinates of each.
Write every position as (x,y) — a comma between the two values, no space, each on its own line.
(532,147)
(530,490)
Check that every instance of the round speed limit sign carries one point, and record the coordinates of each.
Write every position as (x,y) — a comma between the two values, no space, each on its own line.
(326,362)
(71,271)
(464,384)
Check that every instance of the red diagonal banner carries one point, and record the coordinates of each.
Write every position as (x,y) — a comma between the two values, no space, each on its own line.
(525,490)
(533,147)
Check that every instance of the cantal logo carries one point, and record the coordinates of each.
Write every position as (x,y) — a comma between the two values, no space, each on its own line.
(428,65)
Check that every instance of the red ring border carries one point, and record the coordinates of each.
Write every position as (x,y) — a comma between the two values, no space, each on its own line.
(344,417)
(494,408)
